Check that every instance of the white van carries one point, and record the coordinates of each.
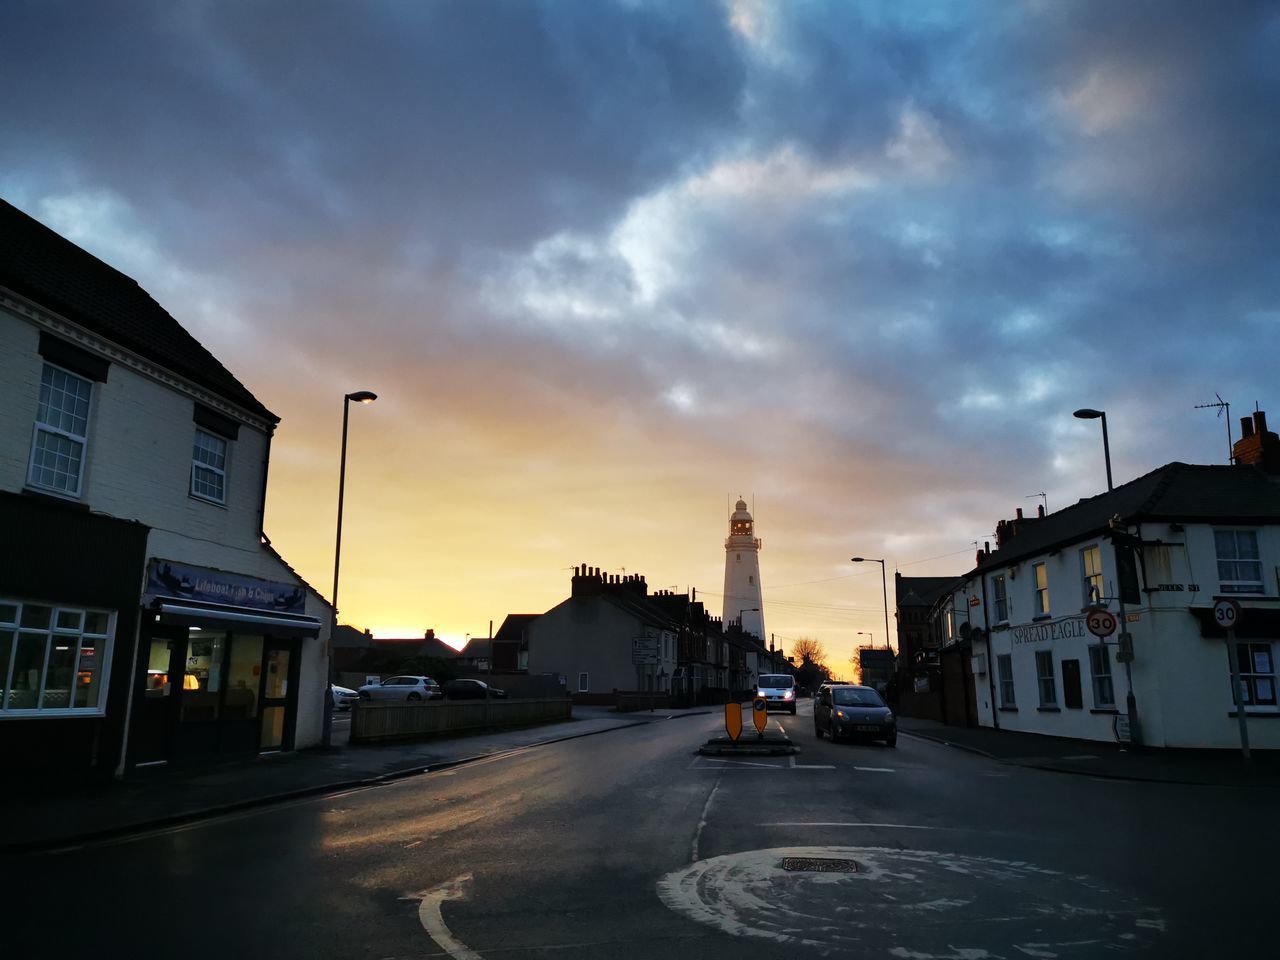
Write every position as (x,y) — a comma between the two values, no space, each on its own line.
(778,690)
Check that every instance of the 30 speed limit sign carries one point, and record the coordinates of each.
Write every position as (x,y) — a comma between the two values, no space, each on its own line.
(1226,613)
(1101,623)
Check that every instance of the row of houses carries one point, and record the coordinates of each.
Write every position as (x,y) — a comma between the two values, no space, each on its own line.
(144,616)
(1009,645)
(609,636)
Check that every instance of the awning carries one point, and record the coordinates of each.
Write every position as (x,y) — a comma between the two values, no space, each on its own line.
(227,617)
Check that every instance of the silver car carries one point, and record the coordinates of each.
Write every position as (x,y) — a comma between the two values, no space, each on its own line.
(402,688)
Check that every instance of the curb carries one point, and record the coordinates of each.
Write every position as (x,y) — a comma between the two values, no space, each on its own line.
(951,743)
(61,844)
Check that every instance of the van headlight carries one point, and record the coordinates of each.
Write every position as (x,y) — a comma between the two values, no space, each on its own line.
(789,695)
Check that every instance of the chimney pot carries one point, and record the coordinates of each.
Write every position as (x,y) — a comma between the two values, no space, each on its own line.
(1019,513)
(1260,421)
(1040,511)
(1246,427)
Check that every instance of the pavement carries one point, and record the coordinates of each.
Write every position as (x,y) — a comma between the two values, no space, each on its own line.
(1223,768)
(165,797)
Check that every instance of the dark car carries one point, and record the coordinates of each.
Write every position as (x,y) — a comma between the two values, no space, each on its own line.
(472,690)
(846,710)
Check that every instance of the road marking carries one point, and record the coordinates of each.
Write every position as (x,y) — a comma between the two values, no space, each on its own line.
(810,766)
(741,763)
(855,823)
(432,919)
(876,769)
(702,822)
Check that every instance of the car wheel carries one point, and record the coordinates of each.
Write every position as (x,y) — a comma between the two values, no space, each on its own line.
(415,696)
(364,695)
(817,730)
(891,741)
(793,709)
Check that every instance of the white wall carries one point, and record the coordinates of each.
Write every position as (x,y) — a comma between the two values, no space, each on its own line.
(592,635)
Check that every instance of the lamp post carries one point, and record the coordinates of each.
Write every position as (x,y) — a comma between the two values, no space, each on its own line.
(1087,413)
(884,589)
(360,396)
(1126,641)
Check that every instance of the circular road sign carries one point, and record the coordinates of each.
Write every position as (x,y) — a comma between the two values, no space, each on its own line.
(1101,623)
(760,714)
(1226,613)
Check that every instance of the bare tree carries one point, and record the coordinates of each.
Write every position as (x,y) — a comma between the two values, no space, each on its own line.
(807,648)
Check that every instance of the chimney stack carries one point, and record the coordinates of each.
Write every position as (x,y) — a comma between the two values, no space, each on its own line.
(1040,511)
(1019,513)
(1257,446)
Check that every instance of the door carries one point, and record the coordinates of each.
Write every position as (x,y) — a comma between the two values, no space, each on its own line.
(279,694)
(161,670)
(241,713)
(1071,692)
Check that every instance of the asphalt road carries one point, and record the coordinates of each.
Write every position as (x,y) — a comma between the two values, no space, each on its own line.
(628,845)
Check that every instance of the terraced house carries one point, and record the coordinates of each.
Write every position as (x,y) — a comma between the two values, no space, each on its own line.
(144,616)
(1156,553)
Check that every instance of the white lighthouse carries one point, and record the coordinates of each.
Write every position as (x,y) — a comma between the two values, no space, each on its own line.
(742,573)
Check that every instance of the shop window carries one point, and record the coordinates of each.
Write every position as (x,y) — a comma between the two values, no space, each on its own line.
(61,432)
(53,659)
(1000,593)
(1045,679)
(1104,693)
(209,467)
(1091,571)
(1239,563)
(1041,577)
(1004,667)
(202,680)
(1257,675)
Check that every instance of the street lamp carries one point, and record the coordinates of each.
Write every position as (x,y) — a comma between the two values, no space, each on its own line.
(884,589)
(360,396)
(1087,413)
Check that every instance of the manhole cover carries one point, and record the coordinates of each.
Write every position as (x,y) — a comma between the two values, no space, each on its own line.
(819,865)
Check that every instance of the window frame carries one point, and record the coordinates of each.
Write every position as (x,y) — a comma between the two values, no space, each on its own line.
(221,473)
(1246,651)
(584,681)
(1095,676)
(1008,691)
(104,646)
(1257,586)
(57,431)
(1000,598)
(1048,677)
(1039,571)
(1092,592)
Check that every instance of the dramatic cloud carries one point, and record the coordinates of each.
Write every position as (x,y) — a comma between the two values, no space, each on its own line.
(609,262)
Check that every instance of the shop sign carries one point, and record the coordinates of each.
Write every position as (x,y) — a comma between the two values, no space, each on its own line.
(1054,630)
(167,578)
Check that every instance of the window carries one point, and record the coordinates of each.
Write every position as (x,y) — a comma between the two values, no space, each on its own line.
(1257,674)
(53,659)
(1042,590)
(61,432)
(209,467)
(1239,564)
(1091,570)
(1004,666)
(1104,694)
(1044,676)
(582,683)
(1001,595)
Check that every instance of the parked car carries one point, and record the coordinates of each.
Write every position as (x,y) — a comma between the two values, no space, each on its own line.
(472,690)
(402,688)
(778,690)
(343,697)
(846,710)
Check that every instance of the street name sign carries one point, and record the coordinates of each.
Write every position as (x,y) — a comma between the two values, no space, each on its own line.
(644,649)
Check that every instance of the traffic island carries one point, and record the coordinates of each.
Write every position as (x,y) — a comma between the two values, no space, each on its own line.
(750,745)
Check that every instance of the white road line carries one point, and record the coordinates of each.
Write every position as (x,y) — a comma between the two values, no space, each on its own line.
(810,766)
(876,769)
(432,920)
(741,763)
(702,822)
(892,826)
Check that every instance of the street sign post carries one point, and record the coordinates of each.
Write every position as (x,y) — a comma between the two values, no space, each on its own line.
(760,715)
(1226,613)
(733,720)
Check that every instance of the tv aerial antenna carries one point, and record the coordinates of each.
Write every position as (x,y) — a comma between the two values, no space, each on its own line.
(1221,406)
(1042,496)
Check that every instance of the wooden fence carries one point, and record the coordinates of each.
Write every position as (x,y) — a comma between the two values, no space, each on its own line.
(377,720)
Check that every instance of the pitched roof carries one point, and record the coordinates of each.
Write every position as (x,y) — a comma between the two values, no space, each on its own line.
(40,265)
(1176,492)
(513,626)
(920,591)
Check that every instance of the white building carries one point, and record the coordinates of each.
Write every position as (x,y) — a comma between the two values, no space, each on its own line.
(743,601)
(144,616)
(1156,552)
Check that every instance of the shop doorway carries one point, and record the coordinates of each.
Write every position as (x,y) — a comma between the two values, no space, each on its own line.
(156,709)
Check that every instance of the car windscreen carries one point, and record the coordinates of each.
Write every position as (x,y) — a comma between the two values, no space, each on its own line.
(855,697)
(777,680)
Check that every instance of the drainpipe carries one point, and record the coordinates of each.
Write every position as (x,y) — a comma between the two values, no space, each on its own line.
(991,660)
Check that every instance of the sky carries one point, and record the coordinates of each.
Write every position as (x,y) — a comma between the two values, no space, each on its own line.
(610,264)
